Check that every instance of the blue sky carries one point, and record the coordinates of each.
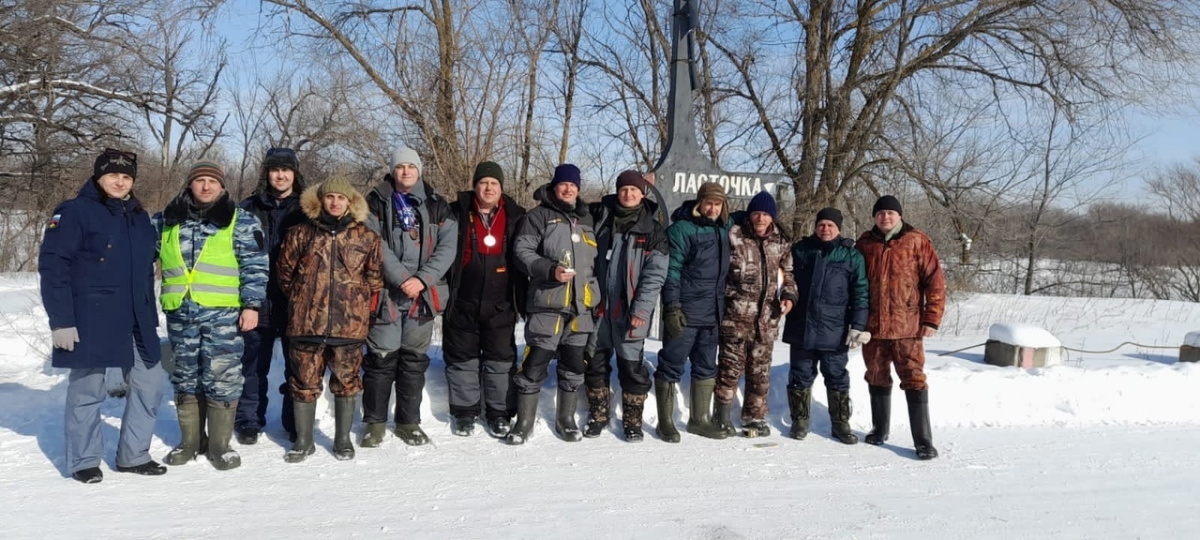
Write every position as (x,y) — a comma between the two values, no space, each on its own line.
(1163,139)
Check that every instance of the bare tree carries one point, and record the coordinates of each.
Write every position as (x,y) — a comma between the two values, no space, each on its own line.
(186,71)
(1178,189)
(822,119)
(413,54)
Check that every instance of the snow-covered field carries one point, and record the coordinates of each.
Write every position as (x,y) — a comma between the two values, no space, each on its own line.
(1104,446)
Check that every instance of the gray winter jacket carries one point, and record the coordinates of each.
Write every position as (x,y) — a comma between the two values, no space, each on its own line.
(426,256)
(544,242)
(631,267)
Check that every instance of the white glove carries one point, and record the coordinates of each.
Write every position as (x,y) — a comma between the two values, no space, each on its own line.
(856,338)
(65,338)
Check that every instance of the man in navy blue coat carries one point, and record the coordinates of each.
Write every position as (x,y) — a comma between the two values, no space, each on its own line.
(97,279)
(276,204)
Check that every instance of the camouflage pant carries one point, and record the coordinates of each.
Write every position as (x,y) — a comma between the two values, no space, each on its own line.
(753,358)
(307,367)
(908,355)
(207,348)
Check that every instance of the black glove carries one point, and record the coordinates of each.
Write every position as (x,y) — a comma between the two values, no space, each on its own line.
(673,320)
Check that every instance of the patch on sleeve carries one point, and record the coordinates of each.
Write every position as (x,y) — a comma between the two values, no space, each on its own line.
(53,224)
(258,238)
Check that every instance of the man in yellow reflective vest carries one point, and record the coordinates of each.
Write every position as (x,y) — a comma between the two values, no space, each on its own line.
(214,272)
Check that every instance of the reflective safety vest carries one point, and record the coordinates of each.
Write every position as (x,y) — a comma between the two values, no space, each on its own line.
(213,279)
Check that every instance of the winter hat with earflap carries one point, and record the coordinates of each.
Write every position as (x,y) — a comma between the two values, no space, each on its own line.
(712,190)
(487,169)
(206,168)
(764,202)
(281,158)
(339,185)
(406,155)
(115,161)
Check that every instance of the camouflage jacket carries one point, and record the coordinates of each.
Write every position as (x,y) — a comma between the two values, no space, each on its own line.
(330,272)
(248,242)
(907,288)
(760,276)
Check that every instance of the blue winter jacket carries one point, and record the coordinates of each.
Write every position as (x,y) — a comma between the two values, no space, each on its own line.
(97,275)
(276,216)
(699,251)
(831,279)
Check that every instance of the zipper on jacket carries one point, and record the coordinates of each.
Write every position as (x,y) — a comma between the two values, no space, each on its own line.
(329,295)
(762,294)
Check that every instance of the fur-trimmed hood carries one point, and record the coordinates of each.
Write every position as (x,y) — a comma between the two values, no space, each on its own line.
(310,204)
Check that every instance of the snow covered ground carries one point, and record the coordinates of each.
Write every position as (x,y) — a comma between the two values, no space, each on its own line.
(1104,446)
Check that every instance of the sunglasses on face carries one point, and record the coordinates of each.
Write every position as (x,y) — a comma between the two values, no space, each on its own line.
(285,153)
(120,153)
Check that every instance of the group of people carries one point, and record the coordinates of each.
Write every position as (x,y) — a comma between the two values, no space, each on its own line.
(330,273)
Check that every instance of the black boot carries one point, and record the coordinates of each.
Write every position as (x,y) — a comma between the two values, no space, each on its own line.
(564,418)
(499,426)
(463,425)
(721,417)
(631,416)
(149,468)
(700,415)
(220,430)
(343,418)
(664,398)
(90,475)
(881,414)
(527,405)
(800,405)
(918,418)
(597,411)
(379,373)
(187,408)
(755,428)
(839,416)
(306,416)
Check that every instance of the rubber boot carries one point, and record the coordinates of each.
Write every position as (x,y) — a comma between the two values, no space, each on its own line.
(187,407)
(305,414)
(631,416)
(918,418)
(800,405)
(220,430)
(722,418)
(343,418)
(373,435)
(664,398)
(700,415)
(411,434)
(597,411)
(839,416)
(564,418)
(881,414)
(526,414)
